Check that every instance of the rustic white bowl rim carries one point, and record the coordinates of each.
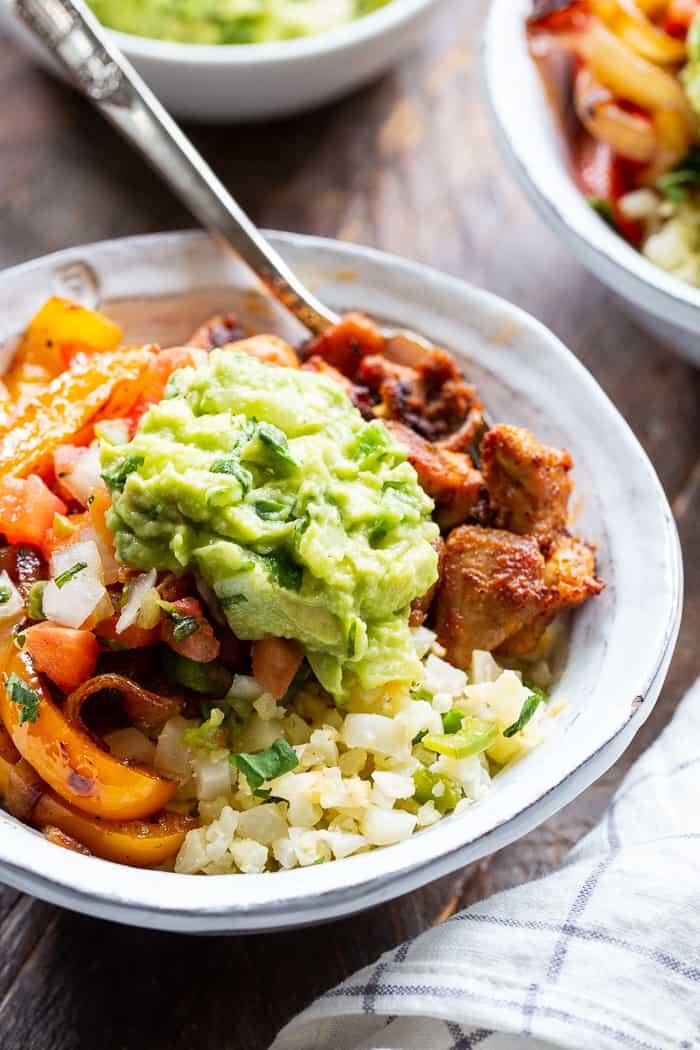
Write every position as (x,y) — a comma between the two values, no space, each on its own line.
(533,147)
(618,672)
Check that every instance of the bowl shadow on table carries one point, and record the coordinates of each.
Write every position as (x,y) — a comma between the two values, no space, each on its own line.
(100,984)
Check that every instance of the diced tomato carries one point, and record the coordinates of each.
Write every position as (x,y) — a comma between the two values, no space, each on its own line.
(67,656)
(275,662)
(133,637)
(602,174)
(679,15)
(201,645)
(27,508)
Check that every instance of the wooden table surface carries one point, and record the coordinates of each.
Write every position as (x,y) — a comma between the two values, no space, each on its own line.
(408,165)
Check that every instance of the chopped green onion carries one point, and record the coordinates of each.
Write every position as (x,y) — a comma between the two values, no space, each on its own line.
(528,709)
(35,605)
(70,574)
(452,721)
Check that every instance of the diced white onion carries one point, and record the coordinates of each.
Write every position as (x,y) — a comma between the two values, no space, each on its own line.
(394,785)
(131,744)
(382,827)
(244,687)
(138,589)
(376,733)
(250,856)
(484,668)
(212,776)
(113,431)
(639,205)
(441,677)
(423,640)
(14,605)
(172,756)
(85,477)
(264,824)
(74,602)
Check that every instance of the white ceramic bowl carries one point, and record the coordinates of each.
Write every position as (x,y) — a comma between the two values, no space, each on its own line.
(259,81)
(536,154)
(620,644)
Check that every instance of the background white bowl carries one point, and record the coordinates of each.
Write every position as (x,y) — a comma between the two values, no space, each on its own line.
(161,287)
(533,147)
(258,81)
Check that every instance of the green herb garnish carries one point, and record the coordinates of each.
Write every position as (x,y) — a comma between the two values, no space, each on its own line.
(266,765)
(28,700)
(528,709)
(116,475)
(5,594)
(677,183)
(70,574)
(283,570)
(232,466)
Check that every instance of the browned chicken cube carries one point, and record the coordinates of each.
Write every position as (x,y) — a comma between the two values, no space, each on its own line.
(528,483)
(492,585)
(433,398)
(448,477)
(569,573)
(343,345)
(216,332)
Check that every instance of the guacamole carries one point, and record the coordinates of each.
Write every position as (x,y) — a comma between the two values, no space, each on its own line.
(307,522)
(229,21)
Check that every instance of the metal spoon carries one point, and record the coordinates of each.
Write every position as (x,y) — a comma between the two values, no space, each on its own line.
(77,41)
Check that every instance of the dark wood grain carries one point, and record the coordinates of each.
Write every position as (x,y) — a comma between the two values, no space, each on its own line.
(408,165)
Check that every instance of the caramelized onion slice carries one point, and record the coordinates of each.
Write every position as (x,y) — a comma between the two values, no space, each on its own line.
(147,711)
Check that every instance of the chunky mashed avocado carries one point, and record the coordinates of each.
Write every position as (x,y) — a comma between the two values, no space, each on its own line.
(306,521)
(229,21)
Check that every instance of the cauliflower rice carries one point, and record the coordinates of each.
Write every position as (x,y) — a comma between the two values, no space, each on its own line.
(364,778)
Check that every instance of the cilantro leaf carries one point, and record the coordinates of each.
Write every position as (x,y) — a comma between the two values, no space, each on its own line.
(266,765)
(283,570)
(28,700)
(185,626)
(70,574)
(527,711)
(604,208)
(116,475)
(231,465)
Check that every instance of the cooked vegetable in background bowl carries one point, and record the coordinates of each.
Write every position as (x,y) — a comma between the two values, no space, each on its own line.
(250,595)
(627,80)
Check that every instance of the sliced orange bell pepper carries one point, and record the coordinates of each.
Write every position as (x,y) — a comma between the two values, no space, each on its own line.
(59,331)
(138,843)
(71,762)
(105,386)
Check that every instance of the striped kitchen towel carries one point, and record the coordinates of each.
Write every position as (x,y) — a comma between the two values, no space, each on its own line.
(602,954)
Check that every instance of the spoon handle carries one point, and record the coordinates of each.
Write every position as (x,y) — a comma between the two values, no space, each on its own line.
(71,33)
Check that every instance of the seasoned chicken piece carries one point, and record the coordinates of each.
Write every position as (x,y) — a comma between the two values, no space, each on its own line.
(492,585)
(448,477)
(267,348)
(421,606)
(433,398)
(569,573)
(359,395)
(343,345)
(528,483)
(216,332)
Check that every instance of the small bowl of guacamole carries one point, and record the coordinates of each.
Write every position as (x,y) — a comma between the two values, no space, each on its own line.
(230,21)
(225,61)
